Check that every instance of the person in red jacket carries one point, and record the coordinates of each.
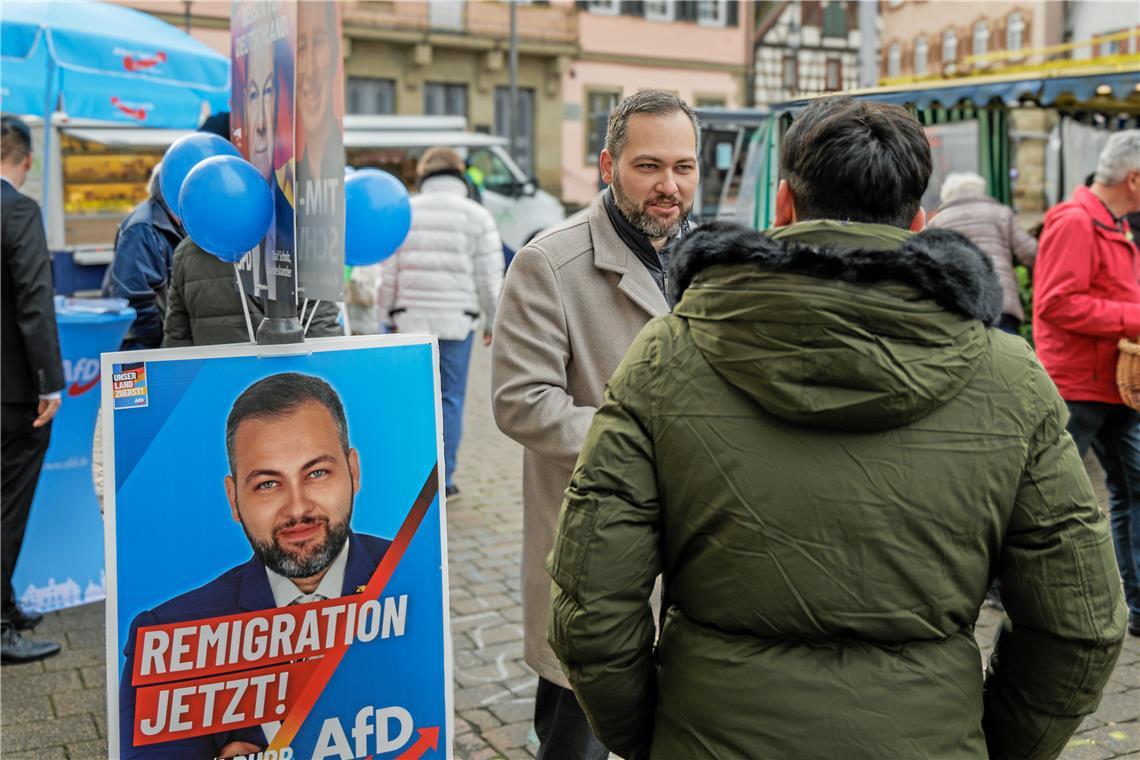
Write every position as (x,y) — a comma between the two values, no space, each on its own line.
(1087,297)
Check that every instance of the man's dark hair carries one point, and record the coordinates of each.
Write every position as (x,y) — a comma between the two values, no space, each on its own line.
(656,102)
(15,139)
(279,395)
(855,160)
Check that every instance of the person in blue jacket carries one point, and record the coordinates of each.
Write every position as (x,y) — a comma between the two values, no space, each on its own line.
(140,269)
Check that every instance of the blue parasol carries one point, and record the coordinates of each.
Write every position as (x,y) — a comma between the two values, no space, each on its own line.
(94,60)
(99,61)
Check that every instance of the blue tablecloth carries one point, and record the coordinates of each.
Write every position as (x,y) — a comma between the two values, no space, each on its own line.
(61,564)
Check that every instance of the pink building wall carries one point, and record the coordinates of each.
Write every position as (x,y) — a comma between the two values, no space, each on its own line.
(580,178)
(626,54)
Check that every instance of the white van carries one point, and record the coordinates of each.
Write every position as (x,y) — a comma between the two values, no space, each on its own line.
(100,173)
(395,143)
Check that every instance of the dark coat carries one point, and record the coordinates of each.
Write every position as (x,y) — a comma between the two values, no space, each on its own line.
(204,306)
(829,457)
(140,270)
(244,588)
(30,350)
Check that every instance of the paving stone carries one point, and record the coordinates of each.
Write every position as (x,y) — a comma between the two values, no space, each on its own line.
(514,710)
(42,753)
(26,710)
(25,685)
(48,733)
(481,719)
(94,678)
(92,701)
(92,750)
(1119,707)
(1083,748)
(87,638)
(509,736)
(72,657)
(1118,739)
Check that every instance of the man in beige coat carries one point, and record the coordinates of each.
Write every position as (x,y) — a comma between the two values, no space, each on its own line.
(573,301)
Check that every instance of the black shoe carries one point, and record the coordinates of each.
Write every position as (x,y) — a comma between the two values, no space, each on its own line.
(22,621)
(16,649)
(451,490)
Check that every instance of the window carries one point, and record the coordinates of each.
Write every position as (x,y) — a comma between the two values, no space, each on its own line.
(604,7)
(524,123)
(894,60)
(949,46)
(712,12)
(371,96)
(710,101)
(834,20)
(981,38)
(921,54)
(497,177)
(659,10)
(833,79)
(790,73)
(1015,32)
(598,107)
(442,99)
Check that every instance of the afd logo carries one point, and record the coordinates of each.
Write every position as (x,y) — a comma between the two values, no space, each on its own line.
(137,60)
(137,111)
(81,375)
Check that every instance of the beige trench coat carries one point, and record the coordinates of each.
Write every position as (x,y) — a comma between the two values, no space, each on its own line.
(573,301)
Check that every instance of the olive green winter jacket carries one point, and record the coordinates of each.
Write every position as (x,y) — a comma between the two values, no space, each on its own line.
(828,457)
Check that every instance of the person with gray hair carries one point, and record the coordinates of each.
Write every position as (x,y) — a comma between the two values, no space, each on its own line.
(992,226)
(1086,299)
(575,297)
(140,267)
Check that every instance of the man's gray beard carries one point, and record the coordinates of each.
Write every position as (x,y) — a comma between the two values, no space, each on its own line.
(288,565)
(642,220)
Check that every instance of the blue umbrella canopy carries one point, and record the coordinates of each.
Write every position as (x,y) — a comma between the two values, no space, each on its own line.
(99,61)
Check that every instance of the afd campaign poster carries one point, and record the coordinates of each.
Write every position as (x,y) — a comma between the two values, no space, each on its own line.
(320,152)
(276,563)
(263,48)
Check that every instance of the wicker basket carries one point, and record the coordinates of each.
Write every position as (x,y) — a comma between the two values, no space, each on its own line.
(1128,372)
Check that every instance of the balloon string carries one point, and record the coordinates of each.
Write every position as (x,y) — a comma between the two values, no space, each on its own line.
(312,314)
(344,317)
(244,304)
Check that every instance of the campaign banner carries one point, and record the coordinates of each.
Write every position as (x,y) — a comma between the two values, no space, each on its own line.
(263,52)
(320,152)
(276,551)
(61,561)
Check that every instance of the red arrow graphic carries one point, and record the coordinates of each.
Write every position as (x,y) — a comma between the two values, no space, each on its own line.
(429,739)
(324,671)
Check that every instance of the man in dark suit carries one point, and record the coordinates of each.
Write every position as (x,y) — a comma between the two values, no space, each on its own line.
(32,373)
(292,481)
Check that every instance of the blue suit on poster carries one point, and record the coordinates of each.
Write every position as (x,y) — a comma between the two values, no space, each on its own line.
(244,588)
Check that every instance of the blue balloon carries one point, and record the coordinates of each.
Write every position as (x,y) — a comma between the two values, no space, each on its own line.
(227,206)
(377,216)
(182,156)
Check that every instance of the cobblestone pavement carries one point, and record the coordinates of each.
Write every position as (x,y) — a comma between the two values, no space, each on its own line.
(57,708)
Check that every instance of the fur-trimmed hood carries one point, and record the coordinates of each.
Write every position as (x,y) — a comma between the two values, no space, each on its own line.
(859,338)
(941,263)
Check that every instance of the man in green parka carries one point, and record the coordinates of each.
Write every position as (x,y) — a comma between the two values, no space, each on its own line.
(828,454)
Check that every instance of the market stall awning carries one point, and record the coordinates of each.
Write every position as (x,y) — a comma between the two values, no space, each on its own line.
(1045,89)
(94,60)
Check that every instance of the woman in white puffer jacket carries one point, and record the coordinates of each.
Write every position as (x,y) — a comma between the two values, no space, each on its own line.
(444,280)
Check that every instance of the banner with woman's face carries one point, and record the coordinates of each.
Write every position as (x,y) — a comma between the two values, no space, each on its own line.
(262,128)
(320,152)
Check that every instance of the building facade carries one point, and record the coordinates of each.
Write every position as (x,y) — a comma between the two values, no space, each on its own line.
(699,50)
(806,48)
(920,40)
